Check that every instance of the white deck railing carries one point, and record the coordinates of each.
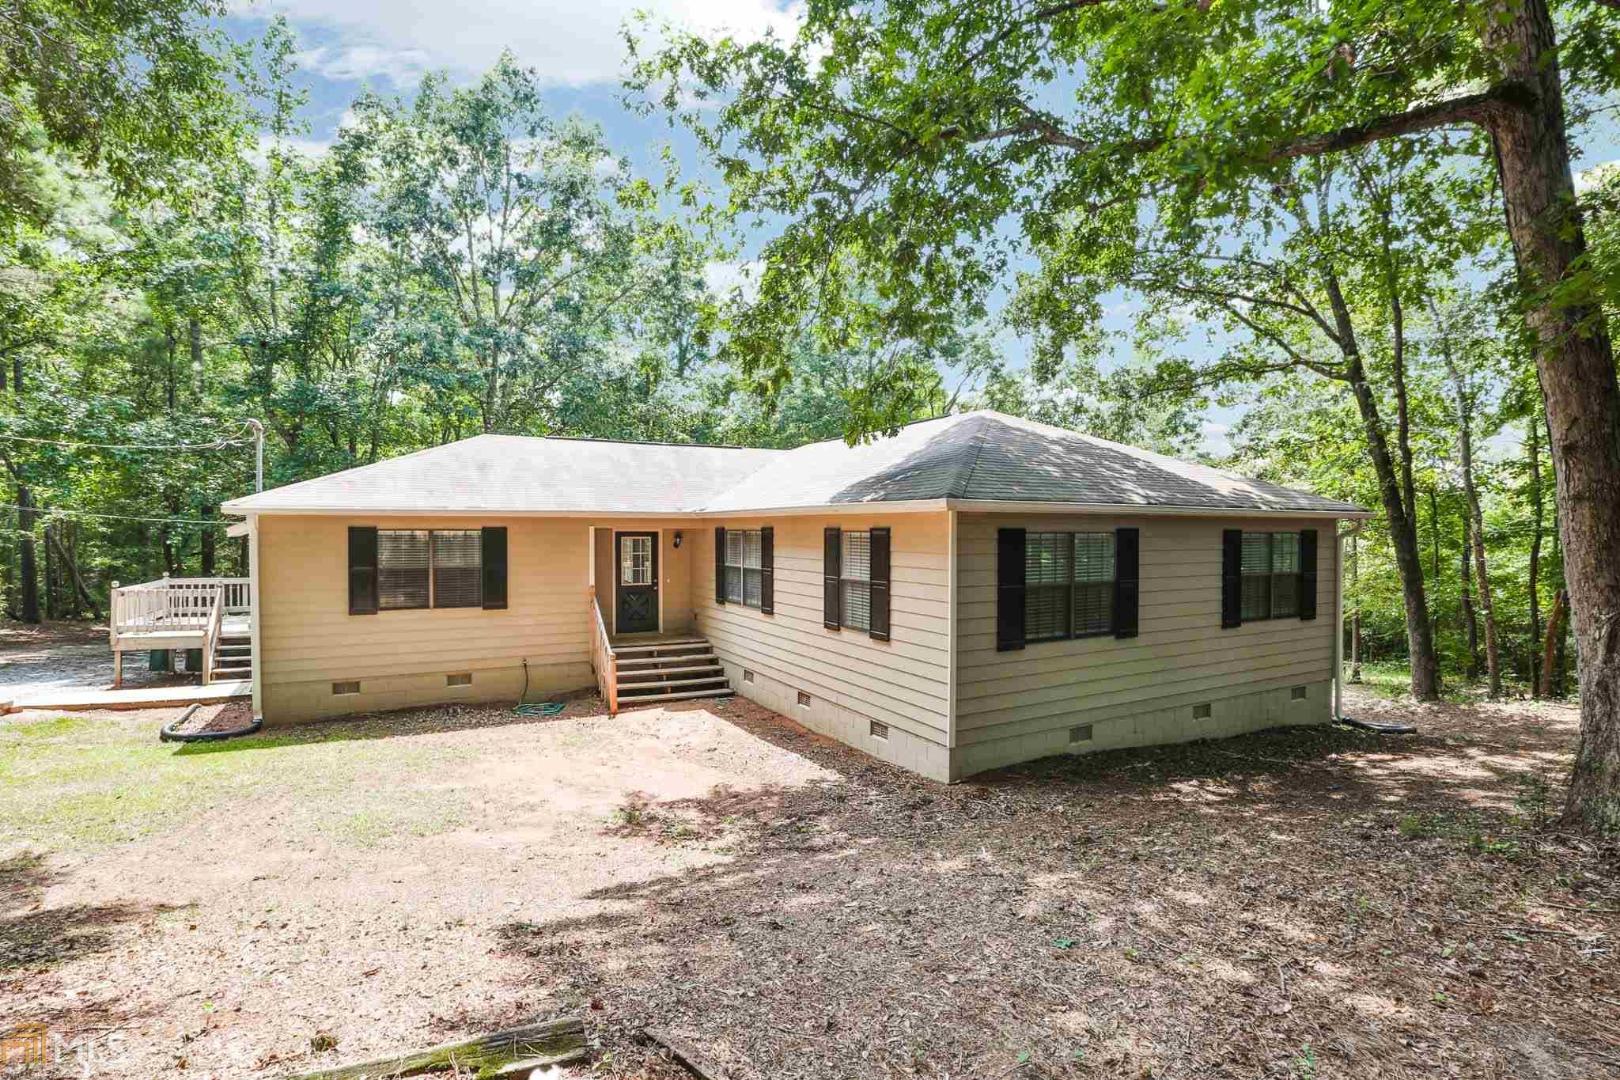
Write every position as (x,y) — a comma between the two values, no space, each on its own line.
(176,604)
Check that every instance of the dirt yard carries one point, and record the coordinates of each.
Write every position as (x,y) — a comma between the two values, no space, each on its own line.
(1303,904)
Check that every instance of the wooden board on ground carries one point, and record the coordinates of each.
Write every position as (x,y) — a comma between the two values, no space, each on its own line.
(550,1042)
(683,1051)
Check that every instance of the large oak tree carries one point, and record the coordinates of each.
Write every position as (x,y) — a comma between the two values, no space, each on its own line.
(898,141)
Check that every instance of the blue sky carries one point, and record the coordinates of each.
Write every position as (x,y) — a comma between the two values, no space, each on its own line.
(578,49)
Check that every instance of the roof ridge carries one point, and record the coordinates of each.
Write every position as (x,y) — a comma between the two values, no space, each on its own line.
(959,489)
(631,442)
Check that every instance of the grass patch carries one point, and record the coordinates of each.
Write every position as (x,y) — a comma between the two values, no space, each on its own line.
(1392,679)
(1466,830)
(83,783)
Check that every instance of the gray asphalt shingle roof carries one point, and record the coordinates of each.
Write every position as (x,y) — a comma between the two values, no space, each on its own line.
(969,457)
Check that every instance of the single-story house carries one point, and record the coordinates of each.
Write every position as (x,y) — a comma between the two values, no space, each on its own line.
(974,591)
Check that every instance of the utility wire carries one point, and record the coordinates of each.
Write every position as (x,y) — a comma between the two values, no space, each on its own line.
(223,443)
(60,511)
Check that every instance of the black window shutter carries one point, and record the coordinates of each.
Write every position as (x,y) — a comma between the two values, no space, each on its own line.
(767,570)
(1009,589)
(1231,578)
(1307,573)
(493,558)
(879,625)
(831,556)
(720,564)
(362,570)
(1127,580)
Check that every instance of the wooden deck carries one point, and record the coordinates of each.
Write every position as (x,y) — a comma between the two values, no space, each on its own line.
(209,614)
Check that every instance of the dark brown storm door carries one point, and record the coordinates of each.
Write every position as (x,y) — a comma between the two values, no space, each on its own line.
(636,582)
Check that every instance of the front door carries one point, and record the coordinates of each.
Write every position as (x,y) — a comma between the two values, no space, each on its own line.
(636,609)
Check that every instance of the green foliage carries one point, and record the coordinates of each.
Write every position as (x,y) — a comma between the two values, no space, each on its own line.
(455,263)
(135,89)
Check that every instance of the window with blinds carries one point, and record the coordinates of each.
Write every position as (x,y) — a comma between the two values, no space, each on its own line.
(744,567)
(1048,572)
(458,575)
(1068,585)
(402,569)
(1270,569)
(418,568)
(855,580)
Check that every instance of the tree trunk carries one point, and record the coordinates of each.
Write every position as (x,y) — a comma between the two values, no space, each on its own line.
(1476,519)
(1553,645)
(27,570)
(208,548)
(169,373)
(72,566)
(1576,363)
(1470,621)
(1533,443)
(194,339)
(1401,517)
(50,577)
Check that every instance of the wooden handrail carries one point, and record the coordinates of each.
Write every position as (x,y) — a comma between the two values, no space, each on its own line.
(603,662)
(211,636)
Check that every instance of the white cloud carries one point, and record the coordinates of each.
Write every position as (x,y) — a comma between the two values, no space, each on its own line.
(304,148)
(570,44)
(723,278)
(1216,438)
(1587,179)
(402,67)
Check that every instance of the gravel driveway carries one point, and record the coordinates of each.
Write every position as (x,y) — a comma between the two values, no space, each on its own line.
(67,667)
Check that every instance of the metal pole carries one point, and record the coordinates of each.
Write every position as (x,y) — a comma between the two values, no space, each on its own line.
(258,453)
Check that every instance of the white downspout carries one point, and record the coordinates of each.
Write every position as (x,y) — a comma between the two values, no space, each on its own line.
(1338,620)
(256,608)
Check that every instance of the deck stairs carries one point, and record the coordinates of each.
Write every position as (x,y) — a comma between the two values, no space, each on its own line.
(233,654)
(680,669)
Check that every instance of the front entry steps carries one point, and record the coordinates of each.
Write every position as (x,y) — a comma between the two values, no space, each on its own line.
(679,669)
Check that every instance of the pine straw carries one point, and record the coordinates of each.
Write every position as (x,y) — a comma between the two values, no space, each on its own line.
(1303,903)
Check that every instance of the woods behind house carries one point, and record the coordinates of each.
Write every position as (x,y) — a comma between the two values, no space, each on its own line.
(1324,304)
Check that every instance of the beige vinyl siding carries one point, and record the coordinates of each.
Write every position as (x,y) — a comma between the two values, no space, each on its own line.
(852,679)
(674,570)
(308,640)
(1008,702)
